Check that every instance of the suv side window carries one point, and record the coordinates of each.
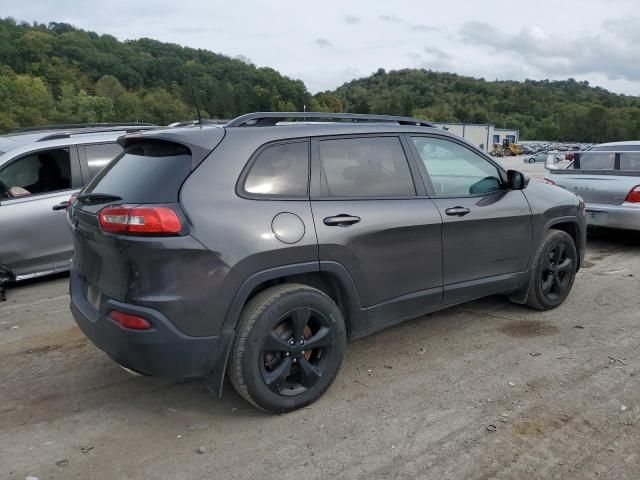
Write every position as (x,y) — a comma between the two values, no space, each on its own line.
(364,167)
(280,170)
(100,155)
(39,172)
(457,171)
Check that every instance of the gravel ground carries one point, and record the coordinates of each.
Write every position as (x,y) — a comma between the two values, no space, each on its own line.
(483,390)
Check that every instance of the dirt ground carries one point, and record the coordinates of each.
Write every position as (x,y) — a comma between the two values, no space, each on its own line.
(484,390)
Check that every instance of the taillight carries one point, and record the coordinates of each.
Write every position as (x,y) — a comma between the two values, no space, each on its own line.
(634,195)
(140,220)
(130,321)
(548,182)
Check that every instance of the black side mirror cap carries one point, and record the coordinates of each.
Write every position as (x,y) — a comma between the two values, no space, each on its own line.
(517,180)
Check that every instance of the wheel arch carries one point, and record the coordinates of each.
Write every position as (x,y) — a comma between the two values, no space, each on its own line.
(331,278)
(570,226)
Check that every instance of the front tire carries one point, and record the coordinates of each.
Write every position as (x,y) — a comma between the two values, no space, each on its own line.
(554,271)
(532,160)
(288,348)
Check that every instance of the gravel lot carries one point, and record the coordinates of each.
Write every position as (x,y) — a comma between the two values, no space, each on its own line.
(484,390)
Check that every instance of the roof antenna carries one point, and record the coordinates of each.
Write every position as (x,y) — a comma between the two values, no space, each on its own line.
(195,101)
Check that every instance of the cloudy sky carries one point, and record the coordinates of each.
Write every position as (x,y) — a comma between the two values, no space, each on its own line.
(328,42)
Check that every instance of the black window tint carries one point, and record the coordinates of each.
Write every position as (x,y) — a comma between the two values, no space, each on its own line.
(281,169)
(40,172)
(150,172)
(365,167)
(99,156)
(594,160)
(455,170)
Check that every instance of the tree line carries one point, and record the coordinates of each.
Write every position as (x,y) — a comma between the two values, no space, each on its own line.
(56,73)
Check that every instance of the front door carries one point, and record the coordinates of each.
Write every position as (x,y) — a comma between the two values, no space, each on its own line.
(487,232)
(34,236)
(370,219)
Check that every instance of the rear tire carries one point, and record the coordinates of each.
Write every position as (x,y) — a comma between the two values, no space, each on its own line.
(532,160)
(268,366)
(554,271)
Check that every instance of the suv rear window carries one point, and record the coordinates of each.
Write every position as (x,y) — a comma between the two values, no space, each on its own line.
(280,170)
(149,172)
(364,167)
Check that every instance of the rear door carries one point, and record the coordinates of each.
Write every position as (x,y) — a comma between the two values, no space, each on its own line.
(34,235)
(487,233)
(373,219)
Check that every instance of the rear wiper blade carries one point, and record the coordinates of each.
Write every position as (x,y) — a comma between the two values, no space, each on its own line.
(98,198)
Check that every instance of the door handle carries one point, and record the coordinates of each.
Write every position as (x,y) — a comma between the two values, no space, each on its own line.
(342,220)
(457,211)
(61,206)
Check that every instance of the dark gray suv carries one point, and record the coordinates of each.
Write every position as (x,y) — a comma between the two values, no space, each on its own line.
(257,247)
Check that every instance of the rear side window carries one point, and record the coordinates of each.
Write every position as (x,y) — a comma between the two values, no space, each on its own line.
(149,172)
(99,156)
(280,170)
(594,160)
(630,161)
(364,167)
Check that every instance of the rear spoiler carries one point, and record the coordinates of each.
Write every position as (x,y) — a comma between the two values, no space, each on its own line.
(607,162)
(200,141)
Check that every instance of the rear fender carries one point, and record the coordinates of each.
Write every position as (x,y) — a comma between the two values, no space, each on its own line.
(356,317)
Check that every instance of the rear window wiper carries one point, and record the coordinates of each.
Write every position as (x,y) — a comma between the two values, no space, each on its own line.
(97,198)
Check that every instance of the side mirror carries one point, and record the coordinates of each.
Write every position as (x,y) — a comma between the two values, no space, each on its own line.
(517,180)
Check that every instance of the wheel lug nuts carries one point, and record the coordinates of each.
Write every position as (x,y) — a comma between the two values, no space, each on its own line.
(302,352)
(287,354)
(295,360)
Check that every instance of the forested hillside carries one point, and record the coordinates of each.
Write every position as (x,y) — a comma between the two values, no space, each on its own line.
(57,73)
(546,110)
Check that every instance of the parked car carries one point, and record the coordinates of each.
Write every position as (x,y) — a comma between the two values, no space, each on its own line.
(540,157)
(607,177)
(257,247)
(40,168)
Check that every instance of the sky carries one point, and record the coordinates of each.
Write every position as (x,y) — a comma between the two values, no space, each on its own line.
(326,43)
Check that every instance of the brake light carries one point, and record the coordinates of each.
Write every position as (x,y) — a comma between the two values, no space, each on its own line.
(139,220)
(548,182)
(130,321)
(634,195)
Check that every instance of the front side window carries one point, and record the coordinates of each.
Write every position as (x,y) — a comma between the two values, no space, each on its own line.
(37,173)
(280,170)
(364,167)
(455,170)
(100,155)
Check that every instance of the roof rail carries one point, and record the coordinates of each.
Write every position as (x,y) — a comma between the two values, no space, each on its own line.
(87,131)
(269,119)
(75,126)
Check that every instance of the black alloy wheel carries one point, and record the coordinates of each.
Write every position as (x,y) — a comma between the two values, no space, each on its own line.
(557,272)
(295,351)
(288,349)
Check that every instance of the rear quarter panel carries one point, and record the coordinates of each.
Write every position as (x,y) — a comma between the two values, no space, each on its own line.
(239,230)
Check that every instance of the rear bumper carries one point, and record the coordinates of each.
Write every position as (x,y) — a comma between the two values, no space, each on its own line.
(624,216)
(161,351)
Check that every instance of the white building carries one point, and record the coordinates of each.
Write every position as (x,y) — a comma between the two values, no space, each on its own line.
(483,136)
